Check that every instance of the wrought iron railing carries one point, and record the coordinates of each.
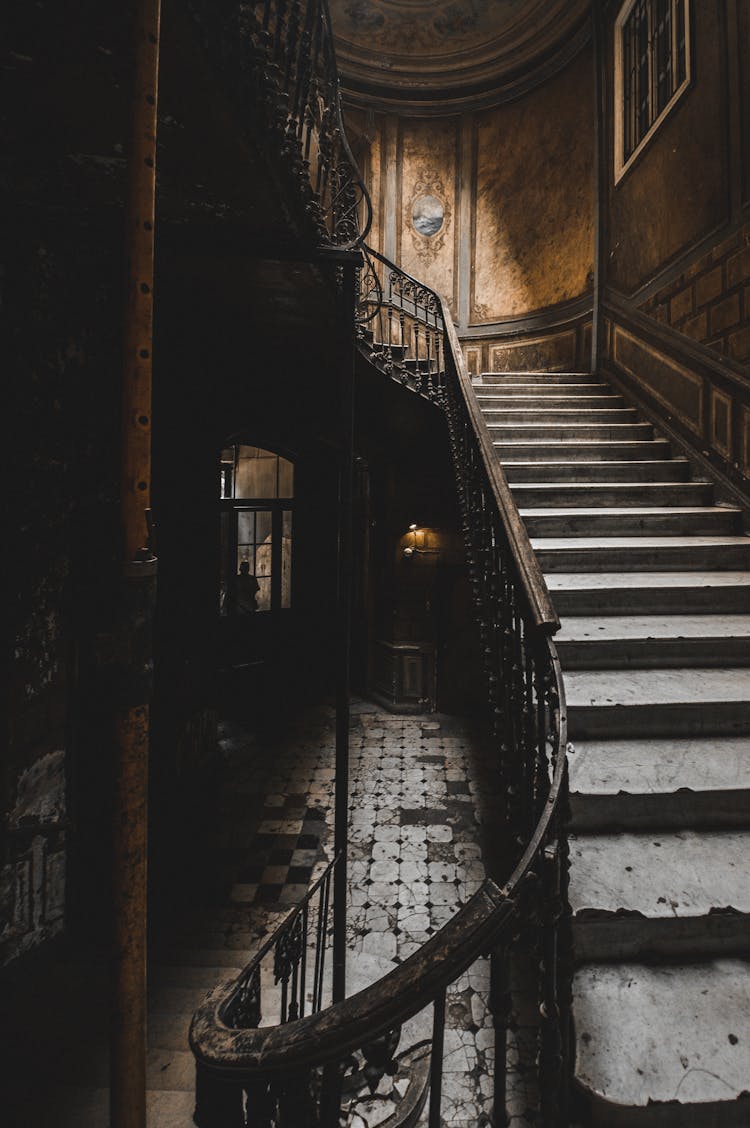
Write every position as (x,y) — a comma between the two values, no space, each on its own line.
(400,326)
(279,56)
(291,965)
(317,1069)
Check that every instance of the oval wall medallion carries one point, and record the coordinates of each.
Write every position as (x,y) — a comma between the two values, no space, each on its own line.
(427,215)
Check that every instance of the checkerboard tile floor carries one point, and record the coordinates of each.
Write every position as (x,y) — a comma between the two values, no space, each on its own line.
(423,801)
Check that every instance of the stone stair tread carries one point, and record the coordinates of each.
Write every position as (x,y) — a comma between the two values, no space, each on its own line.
(578,430)
(547,543)
(581,627)
(574,413)
(586,487)
(628,511)
(538,373)
(658,1034)
(659,766)
(598,400)
(660,875)
(574,581)
(649,687)
(599,464)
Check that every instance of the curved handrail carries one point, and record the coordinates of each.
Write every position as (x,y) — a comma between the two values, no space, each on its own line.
(344,1027)
(364,229)
(280,55)
(530,573)
(527,698)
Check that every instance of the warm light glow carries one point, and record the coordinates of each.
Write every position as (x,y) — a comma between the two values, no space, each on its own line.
(413,528)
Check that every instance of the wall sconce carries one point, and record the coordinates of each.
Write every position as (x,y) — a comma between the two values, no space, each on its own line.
(413,550)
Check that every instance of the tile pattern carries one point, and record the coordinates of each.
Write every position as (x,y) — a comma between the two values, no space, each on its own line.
(423,803)
(421,812)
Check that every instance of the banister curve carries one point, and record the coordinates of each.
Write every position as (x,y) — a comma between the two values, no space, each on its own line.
(316,1039)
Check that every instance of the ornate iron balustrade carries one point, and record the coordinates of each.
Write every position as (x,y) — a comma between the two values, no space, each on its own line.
(279,56)
(400,326)
(318,1069)
(292,958)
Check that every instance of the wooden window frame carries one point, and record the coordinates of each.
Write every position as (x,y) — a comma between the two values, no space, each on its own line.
(623,164)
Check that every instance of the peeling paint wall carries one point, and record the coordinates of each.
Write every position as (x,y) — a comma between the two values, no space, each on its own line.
(32,878)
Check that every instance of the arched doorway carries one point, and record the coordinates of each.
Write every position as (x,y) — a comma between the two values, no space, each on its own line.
(256,571)
(256,488)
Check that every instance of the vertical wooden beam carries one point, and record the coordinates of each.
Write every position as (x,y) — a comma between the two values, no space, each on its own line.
(128,1019)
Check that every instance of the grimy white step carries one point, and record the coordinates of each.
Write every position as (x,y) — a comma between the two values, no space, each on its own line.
(617,593)
(662,893)
(567,432)
(655,650)
(588,450)
(619,521)
(648,702)
(599,472)
(642,554)
(489,401)
(617,641)
(672,782)
(537,379)
(581,416)
(563,495)
(664,1045)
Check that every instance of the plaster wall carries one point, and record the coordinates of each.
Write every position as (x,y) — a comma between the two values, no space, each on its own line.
(516,187)
(677,190)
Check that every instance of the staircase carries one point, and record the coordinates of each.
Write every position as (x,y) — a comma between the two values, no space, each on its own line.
(651,579)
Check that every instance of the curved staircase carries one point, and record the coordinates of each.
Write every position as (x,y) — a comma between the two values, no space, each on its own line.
(652,581)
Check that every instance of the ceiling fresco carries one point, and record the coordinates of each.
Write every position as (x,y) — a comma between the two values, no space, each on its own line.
(422,47)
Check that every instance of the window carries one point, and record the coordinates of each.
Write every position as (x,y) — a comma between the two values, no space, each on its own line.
(652,71)
(256,491)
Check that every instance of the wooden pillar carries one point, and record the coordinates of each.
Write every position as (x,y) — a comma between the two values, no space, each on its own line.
(137,591)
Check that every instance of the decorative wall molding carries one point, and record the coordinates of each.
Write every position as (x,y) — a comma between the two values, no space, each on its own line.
(698,398)
(540,40)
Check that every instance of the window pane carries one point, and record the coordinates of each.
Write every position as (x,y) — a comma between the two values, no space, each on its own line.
(256,473)
(263,597)
(263,526)
(286,558)
(245,526)
(226,577)
(286,478)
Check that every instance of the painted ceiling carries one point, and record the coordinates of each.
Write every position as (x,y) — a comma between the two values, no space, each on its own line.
(424,47)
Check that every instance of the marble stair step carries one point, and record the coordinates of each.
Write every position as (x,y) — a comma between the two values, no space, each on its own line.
(537,379)
(507,415)
(664,1045)
(580,450)
(620,520)
(643,554)
(648,702)
(616,641)
(563,495)
(597,473)
(660,892)
(554,400)
(571,432)
(644,593)
(660,783)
